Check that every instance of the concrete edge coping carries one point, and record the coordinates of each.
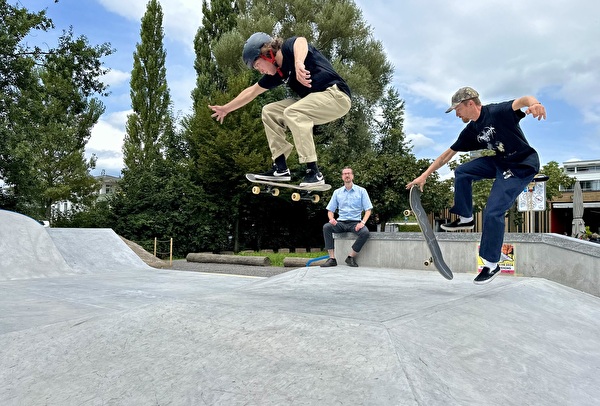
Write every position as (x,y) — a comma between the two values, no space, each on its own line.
(552,239)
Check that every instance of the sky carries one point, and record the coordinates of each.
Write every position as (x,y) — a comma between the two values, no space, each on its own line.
(503,49)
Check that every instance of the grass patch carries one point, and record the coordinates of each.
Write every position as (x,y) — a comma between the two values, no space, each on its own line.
(277,259)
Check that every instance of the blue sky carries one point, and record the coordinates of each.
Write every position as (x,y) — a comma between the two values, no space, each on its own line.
(501,48)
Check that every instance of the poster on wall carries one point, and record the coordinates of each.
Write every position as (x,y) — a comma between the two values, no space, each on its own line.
(507,259)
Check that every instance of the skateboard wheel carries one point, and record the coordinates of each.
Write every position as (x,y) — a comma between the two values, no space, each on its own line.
(296,197)
(316,198)
(407,213)
(275,192)
(255,190)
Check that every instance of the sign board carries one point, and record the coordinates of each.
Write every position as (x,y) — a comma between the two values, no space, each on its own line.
(533,197)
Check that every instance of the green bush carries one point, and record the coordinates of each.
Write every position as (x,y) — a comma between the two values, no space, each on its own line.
(406,228)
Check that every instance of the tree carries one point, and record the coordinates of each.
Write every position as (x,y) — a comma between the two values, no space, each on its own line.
(47,110)
(150,97)
(157,197)
(218,17)
(557,178)
(388,165)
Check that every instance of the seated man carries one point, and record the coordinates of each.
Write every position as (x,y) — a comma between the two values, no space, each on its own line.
(350,201)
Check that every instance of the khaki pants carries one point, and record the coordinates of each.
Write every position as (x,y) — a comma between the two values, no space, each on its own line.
(300,116)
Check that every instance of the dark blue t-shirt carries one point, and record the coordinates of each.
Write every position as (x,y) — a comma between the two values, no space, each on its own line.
(498,129)
(322,73)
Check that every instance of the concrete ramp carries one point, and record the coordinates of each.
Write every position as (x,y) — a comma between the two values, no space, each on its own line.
(30,250)
(26,249)
(92,250)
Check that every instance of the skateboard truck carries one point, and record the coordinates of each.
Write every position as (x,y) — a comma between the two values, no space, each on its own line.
(428,262)
(296,196)
(268,189)
(305,195)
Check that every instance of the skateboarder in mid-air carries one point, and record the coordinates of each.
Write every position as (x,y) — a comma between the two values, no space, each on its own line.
(496,127)
(323,97)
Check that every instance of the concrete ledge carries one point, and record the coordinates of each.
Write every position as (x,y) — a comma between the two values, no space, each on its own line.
(568,261)
(228,259)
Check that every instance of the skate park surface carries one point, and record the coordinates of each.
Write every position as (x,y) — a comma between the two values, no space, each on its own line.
(85,322)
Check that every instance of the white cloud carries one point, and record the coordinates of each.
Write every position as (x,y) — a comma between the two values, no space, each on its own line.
(181,18)
(500,48)
(116,77)
(419,142)
(106,142)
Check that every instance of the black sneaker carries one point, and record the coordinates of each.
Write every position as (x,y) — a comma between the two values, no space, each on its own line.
(351,261)
(329,262)
(275,174)
(313,178)
(486,275)
(456,225)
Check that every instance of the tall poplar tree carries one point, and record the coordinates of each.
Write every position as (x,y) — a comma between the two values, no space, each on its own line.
(150,99)
(157,198)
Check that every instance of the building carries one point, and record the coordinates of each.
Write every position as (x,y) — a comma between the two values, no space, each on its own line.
(561,214)
(108,186)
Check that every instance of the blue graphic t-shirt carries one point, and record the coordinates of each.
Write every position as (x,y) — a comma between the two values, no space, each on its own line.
(498,129)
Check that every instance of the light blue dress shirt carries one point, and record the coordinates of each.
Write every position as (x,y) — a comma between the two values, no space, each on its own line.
(350,203)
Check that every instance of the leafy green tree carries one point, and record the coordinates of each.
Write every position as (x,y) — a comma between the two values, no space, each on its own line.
(388,165)
(47,110)
(557,178)
(218,17)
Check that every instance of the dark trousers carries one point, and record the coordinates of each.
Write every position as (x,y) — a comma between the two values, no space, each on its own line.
(345,227)
(505,191)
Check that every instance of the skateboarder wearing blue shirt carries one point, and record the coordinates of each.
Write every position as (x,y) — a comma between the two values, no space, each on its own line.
(350,201)
(495,127)
(323,96)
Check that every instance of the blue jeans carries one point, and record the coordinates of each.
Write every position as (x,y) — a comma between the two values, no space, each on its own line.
(345,227)
(502,196)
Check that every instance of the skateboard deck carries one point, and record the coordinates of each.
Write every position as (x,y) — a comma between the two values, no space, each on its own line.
(432,244)
(305,192)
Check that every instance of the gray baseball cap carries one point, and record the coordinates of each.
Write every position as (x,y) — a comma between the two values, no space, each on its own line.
(462,94)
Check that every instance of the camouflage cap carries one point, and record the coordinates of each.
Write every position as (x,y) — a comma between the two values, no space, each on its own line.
(462,94)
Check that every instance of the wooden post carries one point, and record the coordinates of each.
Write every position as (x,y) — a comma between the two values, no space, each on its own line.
(171,253)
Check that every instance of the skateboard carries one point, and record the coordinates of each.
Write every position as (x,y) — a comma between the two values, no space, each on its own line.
(436,254)
(272,188)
